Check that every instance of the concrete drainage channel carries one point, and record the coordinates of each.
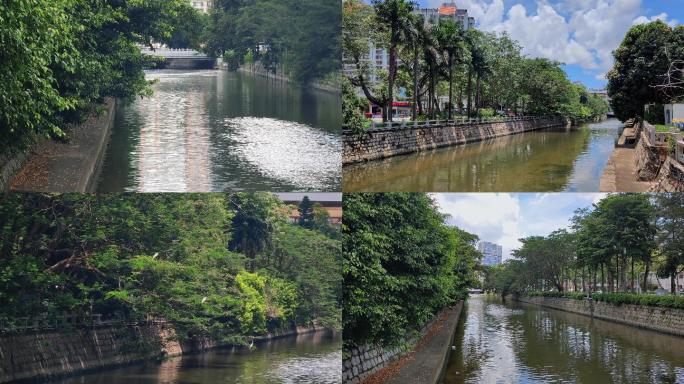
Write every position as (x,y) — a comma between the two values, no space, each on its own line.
(425,363)
(67,167)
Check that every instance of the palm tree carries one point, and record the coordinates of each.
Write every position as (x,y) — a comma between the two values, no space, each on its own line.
(394,18)
(449,34)
(480,64)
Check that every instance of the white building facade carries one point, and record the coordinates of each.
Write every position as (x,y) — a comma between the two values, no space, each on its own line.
(201,5)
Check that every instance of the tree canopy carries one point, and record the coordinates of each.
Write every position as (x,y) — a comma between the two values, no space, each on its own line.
(167,256)
(478,73)
(642,62)
(402,264)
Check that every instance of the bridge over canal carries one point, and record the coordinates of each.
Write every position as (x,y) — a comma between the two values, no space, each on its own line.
(181,58)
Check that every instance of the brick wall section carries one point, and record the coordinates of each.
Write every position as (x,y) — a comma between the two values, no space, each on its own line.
(379,144)
(666,320)
(52,354)
(367,359)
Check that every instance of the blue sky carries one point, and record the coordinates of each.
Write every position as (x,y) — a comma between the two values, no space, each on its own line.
(580,33)
(503,218)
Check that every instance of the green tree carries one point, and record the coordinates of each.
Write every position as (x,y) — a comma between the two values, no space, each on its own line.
(306,213)
(670,208)
(640,62)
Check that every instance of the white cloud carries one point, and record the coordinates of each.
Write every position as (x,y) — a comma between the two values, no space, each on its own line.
(493,217)
(503,218)
(574,32)
(662,17)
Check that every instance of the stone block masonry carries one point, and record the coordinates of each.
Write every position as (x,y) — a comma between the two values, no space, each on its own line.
(37,356)
(666,320)
(379,144)
(425,364)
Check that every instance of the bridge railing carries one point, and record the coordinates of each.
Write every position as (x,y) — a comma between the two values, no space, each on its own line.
(386,126)
(173,52)
(71,321)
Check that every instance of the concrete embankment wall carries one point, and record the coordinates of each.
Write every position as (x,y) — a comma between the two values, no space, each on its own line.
(426,367)
(35,357)
(379,144)
(53,166)
(666,320)
(670,178)
(258,69)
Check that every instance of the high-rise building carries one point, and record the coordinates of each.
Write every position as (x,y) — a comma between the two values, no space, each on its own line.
(378,58)
(491,253)
(448,11)
(203,6)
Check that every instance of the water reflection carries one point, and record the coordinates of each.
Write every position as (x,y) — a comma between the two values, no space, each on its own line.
(518,343)
(547,160)
(313,358)
(215,130)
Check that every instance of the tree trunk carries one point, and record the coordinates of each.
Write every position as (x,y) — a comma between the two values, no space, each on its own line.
(645,288)
(477,95)
(632,271)
(390,89)
(451,86)
(470,89)
(415,84)
(673,286)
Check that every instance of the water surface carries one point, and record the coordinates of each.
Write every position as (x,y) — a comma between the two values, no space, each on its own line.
(556,159)
(215,130)
(306,359)
(510,342)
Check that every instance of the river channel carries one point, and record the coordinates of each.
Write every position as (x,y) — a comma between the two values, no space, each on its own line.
(306,359)
(213,130)
(555,159)
(511,342)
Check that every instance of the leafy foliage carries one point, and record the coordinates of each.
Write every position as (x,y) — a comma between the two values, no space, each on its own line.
(402,265)
(641,62)
(60,57)
(300,37)
(165,255)
(666,301)
(476,70)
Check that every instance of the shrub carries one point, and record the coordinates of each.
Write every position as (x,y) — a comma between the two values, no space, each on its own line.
(619,298)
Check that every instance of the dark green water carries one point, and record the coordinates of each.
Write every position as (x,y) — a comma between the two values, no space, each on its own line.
(306,359)
(215,131)
(511,342)
(569,160)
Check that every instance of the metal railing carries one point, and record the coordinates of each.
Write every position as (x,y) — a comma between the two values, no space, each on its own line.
(173,53)
(386,126)
(71,321)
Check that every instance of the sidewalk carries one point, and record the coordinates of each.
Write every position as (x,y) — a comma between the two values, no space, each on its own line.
(426,363)
(68,167)
(620,173)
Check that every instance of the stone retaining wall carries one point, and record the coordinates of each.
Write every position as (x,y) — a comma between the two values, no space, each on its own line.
(666,320)
(670,178)
(379,144)
(35,357)
(366,360)
(648,158)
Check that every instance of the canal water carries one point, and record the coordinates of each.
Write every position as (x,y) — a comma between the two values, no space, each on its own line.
(311,359)
(555,159)
(511,342)
(214,130)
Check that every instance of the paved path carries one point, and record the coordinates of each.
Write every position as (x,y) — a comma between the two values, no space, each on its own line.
(620,173)
(68,167)
(426,363)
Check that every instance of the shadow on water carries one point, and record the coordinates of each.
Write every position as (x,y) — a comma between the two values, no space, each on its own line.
(311,358)
(510,342)
(555,159)
(215,130)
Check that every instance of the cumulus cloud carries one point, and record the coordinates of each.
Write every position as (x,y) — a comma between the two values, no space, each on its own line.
(574,32)
(662,17)
(504,218)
